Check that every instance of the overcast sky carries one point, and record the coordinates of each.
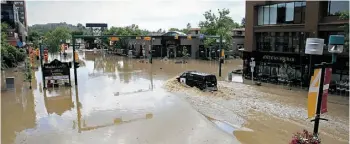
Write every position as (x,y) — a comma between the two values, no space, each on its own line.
(148,14)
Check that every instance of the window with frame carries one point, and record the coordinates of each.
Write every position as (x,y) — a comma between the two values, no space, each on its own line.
(335,8)
(296,42)
(266,15)
(279,42)
(266,39)
(282,13)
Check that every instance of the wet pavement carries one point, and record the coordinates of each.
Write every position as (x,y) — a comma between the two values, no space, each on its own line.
(122,100)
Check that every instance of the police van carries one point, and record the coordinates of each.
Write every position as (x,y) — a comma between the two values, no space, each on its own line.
(202,81)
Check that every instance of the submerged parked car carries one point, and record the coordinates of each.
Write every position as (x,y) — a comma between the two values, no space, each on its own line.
(202,81)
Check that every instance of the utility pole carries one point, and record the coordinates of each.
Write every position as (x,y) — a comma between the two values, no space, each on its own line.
(220,58)
(41,62)
(150,60)
(74,65)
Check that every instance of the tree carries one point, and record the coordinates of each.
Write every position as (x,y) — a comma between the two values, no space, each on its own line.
(132,30)
(10,55)
(220,25)
(345,16)
(188,26)
(243,23)
(34,37)
(53,39)
(159,31)
(173,29)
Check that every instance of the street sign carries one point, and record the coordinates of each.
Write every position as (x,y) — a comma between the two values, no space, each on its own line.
(252,69)
(314,46)
(252,64)
(56,70)
(147,38)
(138,38)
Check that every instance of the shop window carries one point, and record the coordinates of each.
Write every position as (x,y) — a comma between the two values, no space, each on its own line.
(266,38)
(279,42)
(296,42)
(337,7)
(287,43)
(273,41)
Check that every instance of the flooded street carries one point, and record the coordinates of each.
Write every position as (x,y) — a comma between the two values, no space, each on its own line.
(122,100)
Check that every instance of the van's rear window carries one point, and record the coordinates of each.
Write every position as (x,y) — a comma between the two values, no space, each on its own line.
(210,78)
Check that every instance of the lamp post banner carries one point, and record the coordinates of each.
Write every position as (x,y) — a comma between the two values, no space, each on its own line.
(313,93)
(327,80)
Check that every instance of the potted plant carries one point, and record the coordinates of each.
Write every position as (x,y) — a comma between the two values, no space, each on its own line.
(305,137)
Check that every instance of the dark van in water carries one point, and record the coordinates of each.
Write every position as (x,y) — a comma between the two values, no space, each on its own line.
(202,81)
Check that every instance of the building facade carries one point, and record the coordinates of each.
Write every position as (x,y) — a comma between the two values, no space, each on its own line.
(276,33)
(14,14)
(237,40)
(166,45)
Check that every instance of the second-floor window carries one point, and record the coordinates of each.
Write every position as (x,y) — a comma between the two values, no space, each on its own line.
(282,13)
(336,7)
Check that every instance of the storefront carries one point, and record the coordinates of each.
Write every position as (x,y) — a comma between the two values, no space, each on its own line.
(291,69)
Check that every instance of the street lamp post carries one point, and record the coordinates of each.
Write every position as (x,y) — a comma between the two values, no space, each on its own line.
(151,51)
(220,56)
(41,61)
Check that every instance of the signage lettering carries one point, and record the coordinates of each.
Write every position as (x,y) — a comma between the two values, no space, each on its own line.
(279,58)
(56,68)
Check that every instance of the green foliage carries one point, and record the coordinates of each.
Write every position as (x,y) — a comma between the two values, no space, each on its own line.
(242,23)
(34,37)
(42,29)
(184,30)
(77,32)
(132,30)
(345,16)
(173,29)
(128,30)
(53,39)
(10,55)
(218,25)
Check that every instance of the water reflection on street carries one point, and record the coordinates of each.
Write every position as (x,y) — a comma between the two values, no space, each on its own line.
(122,100)
(117,100)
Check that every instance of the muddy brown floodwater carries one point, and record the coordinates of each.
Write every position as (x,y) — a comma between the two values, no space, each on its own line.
(122,100)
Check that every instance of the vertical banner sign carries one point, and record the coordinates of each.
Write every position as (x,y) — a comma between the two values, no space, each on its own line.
(313,93)
(314,89)
(327,80)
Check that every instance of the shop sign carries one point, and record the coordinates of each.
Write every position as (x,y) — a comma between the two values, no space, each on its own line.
(56,69)
(278,58)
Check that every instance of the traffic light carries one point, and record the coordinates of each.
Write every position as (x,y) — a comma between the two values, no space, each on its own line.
(176,36)
(76,65)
